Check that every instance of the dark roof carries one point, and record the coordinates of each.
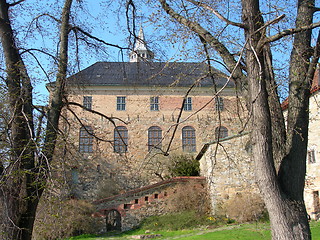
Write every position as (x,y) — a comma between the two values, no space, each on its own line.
(178,74)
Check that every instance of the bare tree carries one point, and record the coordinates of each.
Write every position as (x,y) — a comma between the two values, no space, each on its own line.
(24,179)
(279,152)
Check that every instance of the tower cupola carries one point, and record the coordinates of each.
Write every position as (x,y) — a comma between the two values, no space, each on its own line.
(141,51)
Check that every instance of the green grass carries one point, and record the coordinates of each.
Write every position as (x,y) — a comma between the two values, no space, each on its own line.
(254,231)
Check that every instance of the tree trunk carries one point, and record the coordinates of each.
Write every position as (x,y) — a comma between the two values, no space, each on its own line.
(286,209)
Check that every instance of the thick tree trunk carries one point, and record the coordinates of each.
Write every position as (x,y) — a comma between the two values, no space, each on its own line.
(287,212)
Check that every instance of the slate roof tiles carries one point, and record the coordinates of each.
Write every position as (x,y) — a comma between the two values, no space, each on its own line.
(175,74)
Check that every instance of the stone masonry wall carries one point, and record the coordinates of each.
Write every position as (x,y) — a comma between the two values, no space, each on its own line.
(228,172)
(138,167)
(137,204)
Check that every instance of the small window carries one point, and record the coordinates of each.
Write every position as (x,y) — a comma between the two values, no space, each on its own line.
(311,156)
(121,103)
(156,196)
(146,198)
(154,138)
(136,201)
(120,139)
(316,204)
(154,103)
(86,140)
(221,132)
(87,102)
(75,176)
(219,104)
(187,104)
(127,206)
(188,139)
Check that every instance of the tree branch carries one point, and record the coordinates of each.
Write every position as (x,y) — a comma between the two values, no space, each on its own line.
(75,28)
(215,12)
(111,119)
(16,3)
(227,57)
(290,32)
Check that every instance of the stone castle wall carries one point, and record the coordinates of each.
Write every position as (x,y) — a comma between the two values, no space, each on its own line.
(138,167)
(228,169)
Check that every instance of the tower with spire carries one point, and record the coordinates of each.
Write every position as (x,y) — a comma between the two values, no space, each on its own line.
(141,51)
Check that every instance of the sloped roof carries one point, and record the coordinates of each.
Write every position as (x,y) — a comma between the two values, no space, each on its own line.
(176,74)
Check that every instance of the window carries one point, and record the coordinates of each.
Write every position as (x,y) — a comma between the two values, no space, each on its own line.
(87,102)
(154,138)
(219,104)
(146,199)
(316,204)
(311,156)
(188,139)
(154,103)
(121,103)
(187,104)
(221,132)
(127,206)
(120,139)
(75,176)
(86,140)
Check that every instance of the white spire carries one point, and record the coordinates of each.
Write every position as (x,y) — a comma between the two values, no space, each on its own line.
(140,51)
(140,43)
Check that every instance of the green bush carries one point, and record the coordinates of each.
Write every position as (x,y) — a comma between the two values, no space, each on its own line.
(184,165)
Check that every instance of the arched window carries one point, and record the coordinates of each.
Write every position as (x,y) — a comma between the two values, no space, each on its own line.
(221,132)
(154,138)
(120,139)
(188,139)
(86,139)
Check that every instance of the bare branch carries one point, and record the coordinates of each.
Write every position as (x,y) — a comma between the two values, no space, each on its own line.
(16,3)
(227,57)
(290,32)
(38,62)
(90,133)
(48,15)
(75,28)
(111,119)
(215,12)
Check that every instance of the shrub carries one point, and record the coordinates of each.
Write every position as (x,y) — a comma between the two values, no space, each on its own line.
(244,207)
(184,165)
(190,197)
(61,219)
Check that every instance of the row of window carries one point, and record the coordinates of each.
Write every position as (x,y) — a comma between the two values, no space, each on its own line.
(154,103)
(154,138)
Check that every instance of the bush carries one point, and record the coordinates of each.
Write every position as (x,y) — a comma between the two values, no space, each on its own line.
(184,165)
(190,197)
(61,219)
(244,207)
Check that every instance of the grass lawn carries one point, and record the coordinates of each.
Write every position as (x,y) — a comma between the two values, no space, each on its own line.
(255,231)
